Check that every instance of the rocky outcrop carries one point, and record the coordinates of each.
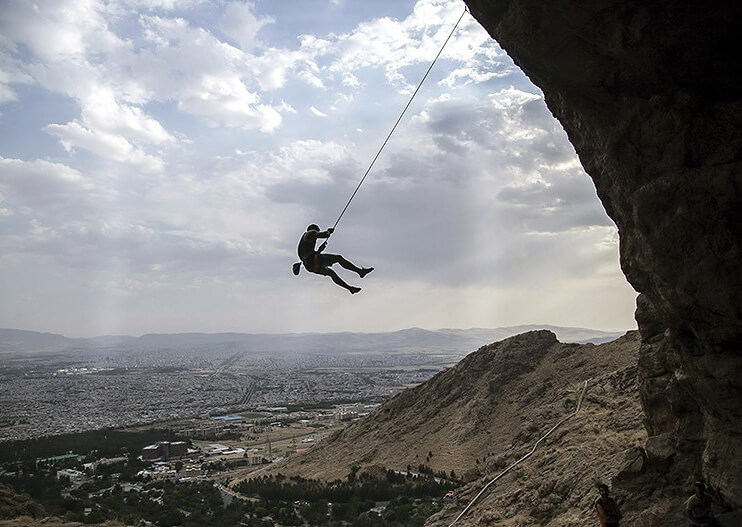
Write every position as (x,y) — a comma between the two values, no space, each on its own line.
(649,93)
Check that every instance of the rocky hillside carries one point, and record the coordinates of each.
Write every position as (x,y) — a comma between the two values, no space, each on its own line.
(487,411)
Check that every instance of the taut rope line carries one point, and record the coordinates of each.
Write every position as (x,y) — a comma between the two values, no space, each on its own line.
(466,9)
(511,467)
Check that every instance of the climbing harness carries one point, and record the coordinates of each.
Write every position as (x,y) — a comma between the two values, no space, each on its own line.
(511,467)
(378,153)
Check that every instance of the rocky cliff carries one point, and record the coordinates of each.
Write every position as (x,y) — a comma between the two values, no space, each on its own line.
(649,93)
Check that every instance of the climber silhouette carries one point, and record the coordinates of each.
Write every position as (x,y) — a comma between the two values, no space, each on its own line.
(316,262)
(607,509)
(698,507)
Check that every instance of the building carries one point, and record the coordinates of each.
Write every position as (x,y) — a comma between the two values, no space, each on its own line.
(75,476)
(165,450)
(346,416)
(228,418)
(152,451)
(178,449)
(57,459)
(216,449)
(104,461)
(158,474)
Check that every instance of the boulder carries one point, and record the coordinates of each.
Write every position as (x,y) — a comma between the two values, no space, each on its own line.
(660,450)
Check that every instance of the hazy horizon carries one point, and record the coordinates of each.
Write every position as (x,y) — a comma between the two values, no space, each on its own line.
(394,330)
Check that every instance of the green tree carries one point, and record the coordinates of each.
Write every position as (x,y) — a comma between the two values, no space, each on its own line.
(315,513)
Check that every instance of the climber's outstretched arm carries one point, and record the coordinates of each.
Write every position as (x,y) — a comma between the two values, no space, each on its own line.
(325,234)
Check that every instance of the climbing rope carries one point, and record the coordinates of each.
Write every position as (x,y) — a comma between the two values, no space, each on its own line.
(466,9)
(511,467)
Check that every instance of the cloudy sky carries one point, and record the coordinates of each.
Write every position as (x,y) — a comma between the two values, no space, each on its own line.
(159,160)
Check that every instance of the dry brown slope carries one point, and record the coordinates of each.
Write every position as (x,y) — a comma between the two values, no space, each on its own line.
(489,407)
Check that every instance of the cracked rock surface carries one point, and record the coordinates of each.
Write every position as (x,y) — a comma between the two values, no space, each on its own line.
(649,94)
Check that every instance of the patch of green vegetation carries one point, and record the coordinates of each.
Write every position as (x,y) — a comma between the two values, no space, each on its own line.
(117,491)
(393,500)
(406,501)
(106,443)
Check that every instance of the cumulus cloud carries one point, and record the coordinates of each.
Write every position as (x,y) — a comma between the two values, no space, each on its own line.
(241,25)
(69,40)
(394,45)
(205,76)
(55,30)
(210,78)
(55,212)
(227,101)
(39,183)
(350,80)
(106,145)
(42,199)
(303,164)
(7,94)
(80,54)
(151,5)
(103,112)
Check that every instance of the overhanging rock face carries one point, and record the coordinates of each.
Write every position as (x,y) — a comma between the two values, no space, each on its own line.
(650,94)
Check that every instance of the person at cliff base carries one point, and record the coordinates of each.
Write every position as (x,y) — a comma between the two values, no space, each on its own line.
(316,262)
(698,507)
(607,508)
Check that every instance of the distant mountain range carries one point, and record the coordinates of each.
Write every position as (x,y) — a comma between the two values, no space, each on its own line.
(407,340)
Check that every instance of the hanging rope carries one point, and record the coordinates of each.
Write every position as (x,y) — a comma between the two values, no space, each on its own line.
(466,9)
(511,467)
